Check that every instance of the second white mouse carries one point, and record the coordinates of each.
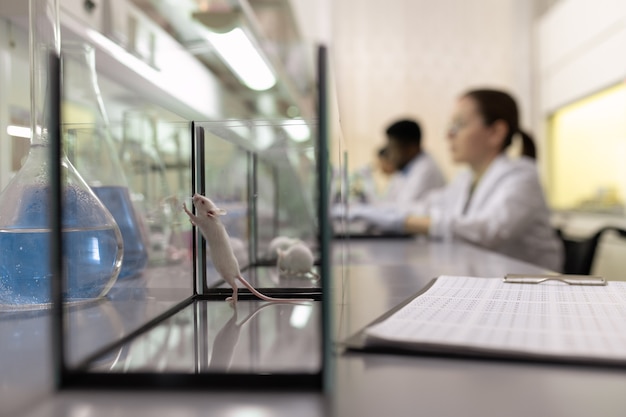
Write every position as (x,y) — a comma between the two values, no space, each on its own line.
(296,260)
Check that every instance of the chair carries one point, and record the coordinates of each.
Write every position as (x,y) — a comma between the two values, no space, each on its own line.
(580,253)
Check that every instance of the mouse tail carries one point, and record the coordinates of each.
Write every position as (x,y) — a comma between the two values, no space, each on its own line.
(314,276)
(267,298)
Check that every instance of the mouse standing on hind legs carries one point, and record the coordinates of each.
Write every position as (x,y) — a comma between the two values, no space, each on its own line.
(222,255)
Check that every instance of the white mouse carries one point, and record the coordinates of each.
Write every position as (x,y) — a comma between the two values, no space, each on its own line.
(296,260)
(220,248)
(240,250)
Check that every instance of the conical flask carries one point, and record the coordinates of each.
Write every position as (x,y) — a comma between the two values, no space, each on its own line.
(93,152)
(92,241)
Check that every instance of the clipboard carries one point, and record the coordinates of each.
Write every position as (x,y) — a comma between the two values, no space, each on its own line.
(362,341)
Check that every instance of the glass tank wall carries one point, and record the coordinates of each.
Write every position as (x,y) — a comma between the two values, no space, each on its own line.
(167,315)
(167,276)
(272,207)
(142,179)
(258,193)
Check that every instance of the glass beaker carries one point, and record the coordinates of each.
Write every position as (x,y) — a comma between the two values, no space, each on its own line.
(92,150)
(93,242)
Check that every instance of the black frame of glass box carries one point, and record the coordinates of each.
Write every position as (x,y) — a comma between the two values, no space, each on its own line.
(81,377)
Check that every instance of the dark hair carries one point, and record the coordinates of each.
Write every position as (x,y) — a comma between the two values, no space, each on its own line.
(406,132)
(497,105)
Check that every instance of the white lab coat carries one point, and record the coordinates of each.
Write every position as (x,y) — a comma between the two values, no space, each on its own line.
(507,213)
(418,178)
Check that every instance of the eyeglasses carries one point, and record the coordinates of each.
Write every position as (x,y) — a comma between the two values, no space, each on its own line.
(455,126)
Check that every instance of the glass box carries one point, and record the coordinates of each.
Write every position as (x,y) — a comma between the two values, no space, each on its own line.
(171,326)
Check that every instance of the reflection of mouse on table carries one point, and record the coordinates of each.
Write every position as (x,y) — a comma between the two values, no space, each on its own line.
(220,249)
(227,337)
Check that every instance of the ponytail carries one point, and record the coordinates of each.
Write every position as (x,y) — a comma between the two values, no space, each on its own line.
(528,145)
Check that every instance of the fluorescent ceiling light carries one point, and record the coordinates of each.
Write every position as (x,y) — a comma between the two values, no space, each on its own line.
(297,129)
(18,131)
(243,59)
(261,135)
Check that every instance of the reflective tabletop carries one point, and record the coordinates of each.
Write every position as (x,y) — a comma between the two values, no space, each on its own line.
(370,277)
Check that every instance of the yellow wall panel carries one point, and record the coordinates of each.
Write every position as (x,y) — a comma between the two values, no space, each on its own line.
(588,152)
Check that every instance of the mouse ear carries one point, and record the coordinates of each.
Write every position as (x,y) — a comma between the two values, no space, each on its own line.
(220,212)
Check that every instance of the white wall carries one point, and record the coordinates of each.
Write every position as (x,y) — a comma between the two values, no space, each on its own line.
(580,50)
(580,46)
(414,57)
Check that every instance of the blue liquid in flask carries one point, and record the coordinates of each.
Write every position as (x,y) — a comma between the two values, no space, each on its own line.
(117,200)
(89,252)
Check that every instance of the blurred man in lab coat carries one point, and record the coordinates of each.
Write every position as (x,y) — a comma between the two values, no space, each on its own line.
(498,202)
(410,172)
(417,172)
